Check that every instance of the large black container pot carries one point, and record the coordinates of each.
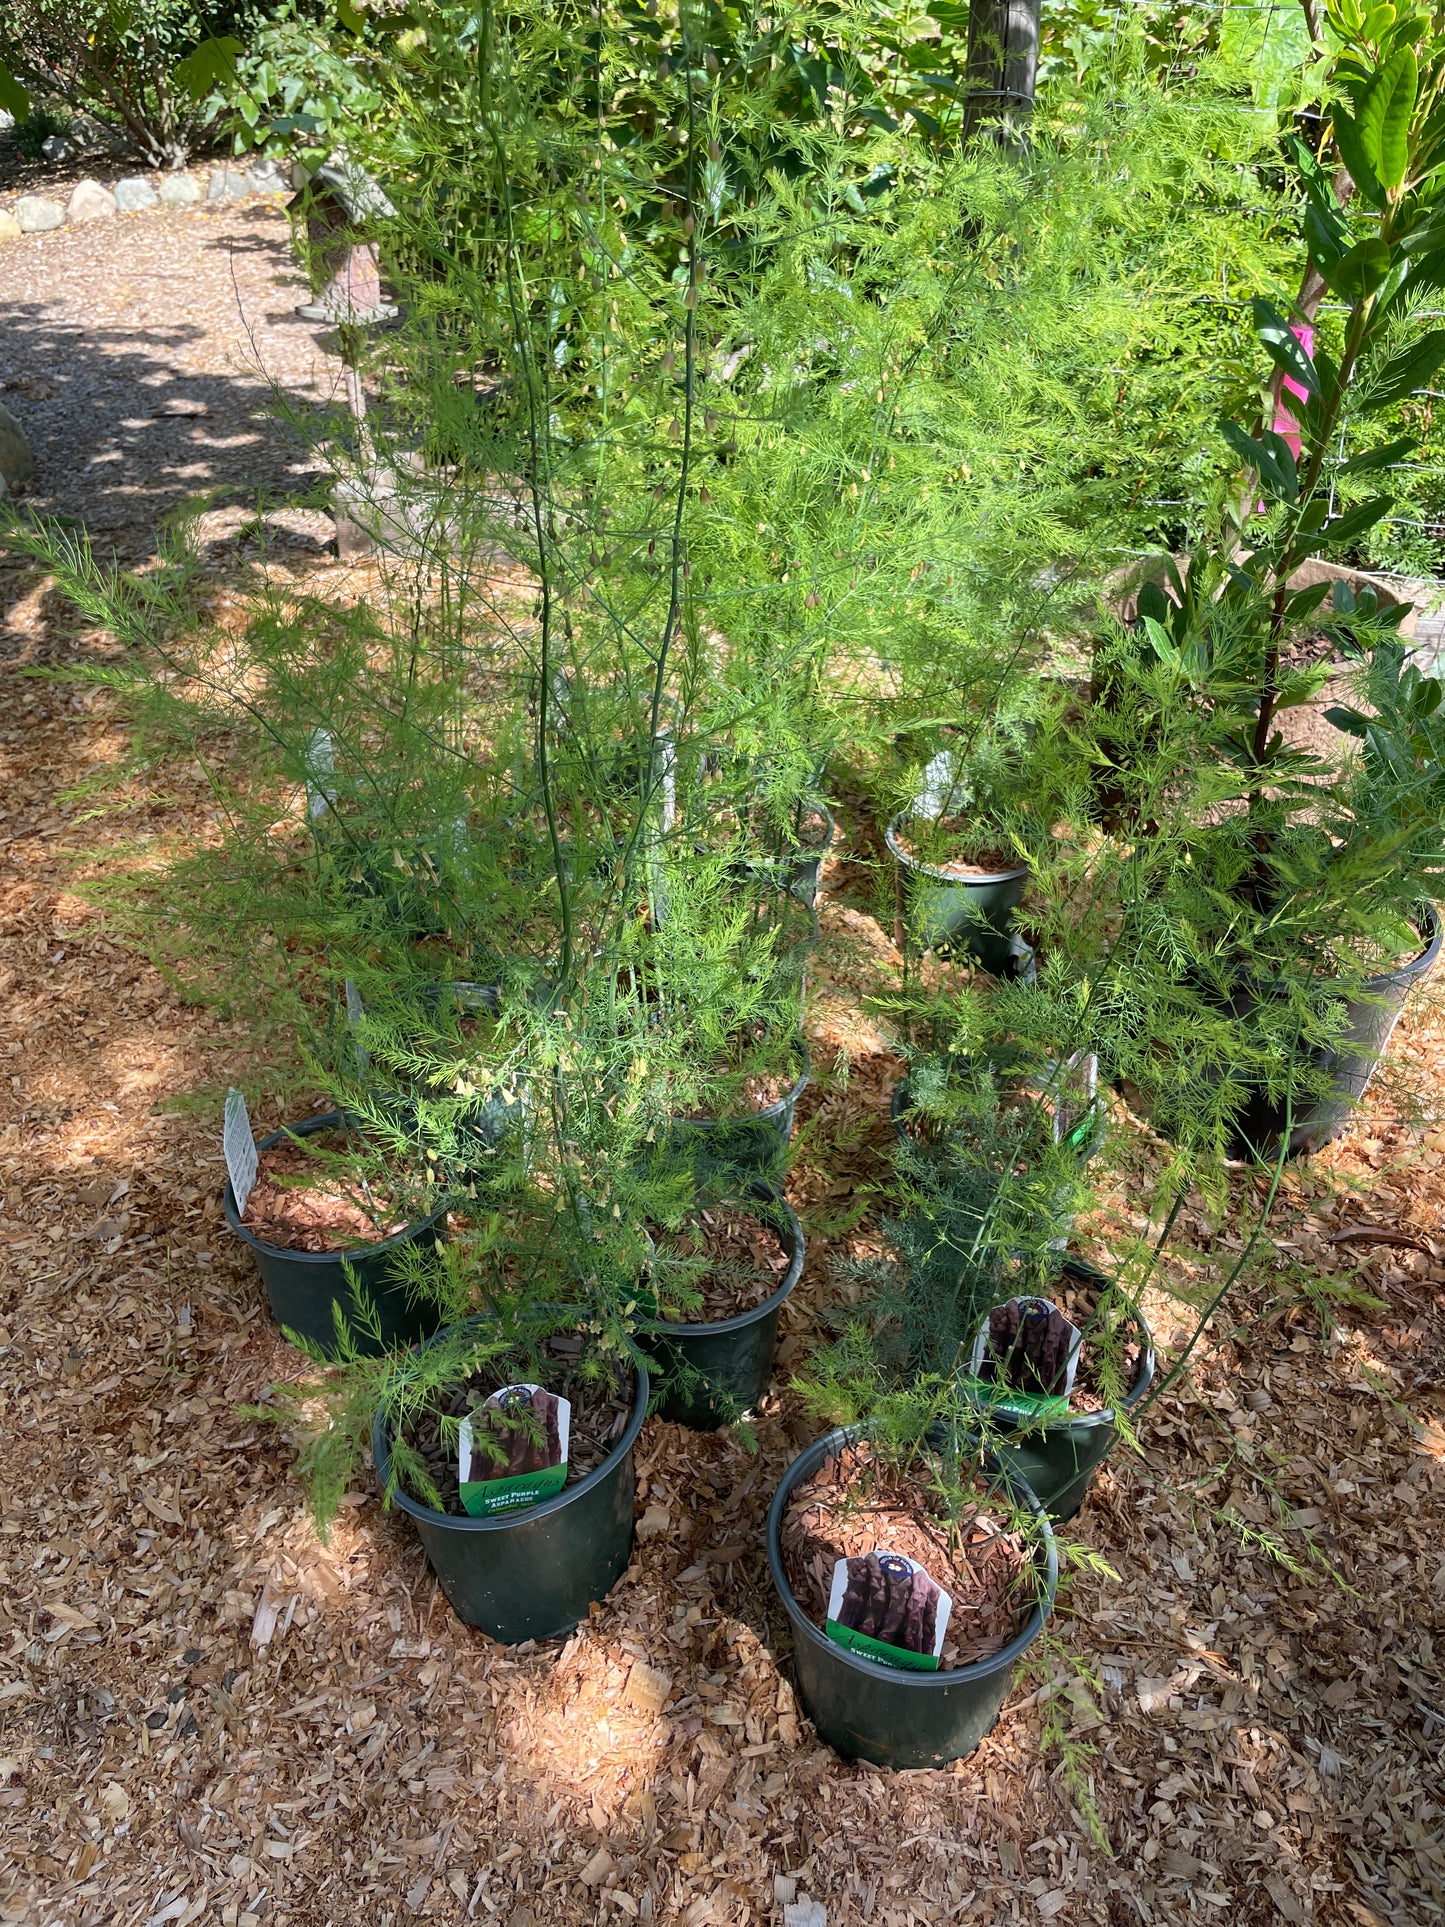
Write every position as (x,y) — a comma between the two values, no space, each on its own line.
(755,1144)
(1058,1461)
(973,914)
(532,1574)
(893,1718)
(1371,1018)
(308,1288)
(714,1372)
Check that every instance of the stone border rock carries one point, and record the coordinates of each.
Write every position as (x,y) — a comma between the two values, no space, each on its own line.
(91,201)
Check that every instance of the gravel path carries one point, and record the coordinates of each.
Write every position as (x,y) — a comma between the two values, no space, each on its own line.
(144,355)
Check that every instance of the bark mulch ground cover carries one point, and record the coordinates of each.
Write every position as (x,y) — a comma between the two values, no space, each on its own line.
(207,1715)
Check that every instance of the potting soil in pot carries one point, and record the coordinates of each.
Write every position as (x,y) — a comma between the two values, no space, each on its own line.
(749,1087)
(727,1255)
(857,1504)
(599,1409)
(298,1203)
(952,845)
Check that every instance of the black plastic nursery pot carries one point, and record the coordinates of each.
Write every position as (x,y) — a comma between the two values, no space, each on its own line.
(972,913)
(757,1143)
(307,1288)
(532,1574)
(1370,1020)
(798,871)
(1058,1461)
(713,1372)
(867,1711)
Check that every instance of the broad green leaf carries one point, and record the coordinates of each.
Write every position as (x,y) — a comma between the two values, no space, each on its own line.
(1303,603)
(13,97)
(1385,116)
(1163,642)
(350,18)
(1153,604)
(211,65)
(1326,236)
(1349,720)
(1360,271)
(1383,457)
(1406,371)
(1282,345)
(1355,521)
(1270,459)
(1424,234)
(1352,153)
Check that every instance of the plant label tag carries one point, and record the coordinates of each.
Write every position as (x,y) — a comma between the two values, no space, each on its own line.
(320,774)
(884,1606)
(939,782)
(1076,1099)
(355,1012)
(1025,1358)
(512,1451)
(238,1141)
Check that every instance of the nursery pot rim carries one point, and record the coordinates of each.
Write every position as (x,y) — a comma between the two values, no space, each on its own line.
(898,1114)
(964,879)
(763,1193)
(1412,969)
(1087,1421)
(770,1111)
(817,806)
(358,1254)
(524,1515)
(807,1460)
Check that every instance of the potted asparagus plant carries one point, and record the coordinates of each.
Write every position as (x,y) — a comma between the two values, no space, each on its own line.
(1280,876)
(507,1438)
(914,1573)
(718,1280)
(335,1216)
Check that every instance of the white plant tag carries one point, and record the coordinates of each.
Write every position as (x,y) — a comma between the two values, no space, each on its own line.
(355,1011)
(1076,1091)
(938,782)
(665,747)
(536,1468)
(1029,1309)
(889,1608)
(320,774)
(238,1141)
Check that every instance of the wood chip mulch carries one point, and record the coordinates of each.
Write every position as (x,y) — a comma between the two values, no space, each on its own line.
(206,1715)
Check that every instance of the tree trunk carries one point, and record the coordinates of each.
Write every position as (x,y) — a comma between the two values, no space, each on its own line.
(1003,61)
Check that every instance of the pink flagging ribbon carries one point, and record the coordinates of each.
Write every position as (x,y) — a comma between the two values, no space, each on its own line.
(1284,422)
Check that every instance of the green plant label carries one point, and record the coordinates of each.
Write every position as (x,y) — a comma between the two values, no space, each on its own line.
(1002,1398)
(885,1606)
(512,1450)
(485,1497)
